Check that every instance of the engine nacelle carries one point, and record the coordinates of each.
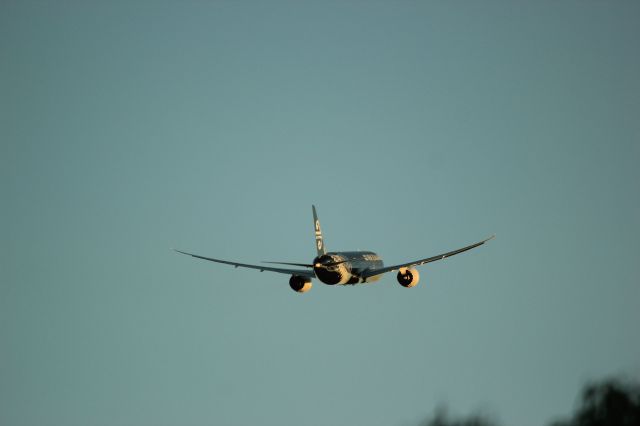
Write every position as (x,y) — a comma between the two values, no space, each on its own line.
(408,277)
(300,284)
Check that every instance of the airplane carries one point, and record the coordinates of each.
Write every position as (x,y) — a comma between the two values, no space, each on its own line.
(344,267)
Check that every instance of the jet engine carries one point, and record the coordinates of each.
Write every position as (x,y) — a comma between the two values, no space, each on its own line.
(300,284)
(408,277)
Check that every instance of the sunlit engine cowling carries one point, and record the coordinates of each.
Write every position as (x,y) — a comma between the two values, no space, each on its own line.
(408,277)
(300,284)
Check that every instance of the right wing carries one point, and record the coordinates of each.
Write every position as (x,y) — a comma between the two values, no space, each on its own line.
(372,272)
(308,274)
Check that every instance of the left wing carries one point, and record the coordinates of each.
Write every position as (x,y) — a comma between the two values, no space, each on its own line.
(308,274)
(371,272)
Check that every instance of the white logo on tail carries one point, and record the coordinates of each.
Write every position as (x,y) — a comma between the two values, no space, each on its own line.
(318,235)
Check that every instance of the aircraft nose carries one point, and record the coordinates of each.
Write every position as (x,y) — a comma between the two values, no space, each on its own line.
(321,261)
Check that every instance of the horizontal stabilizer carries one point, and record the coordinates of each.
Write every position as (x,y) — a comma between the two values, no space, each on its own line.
(304,265)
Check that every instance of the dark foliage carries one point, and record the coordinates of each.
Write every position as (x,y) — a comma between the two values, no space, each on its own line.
(609,403)
(442,419)
(606,403)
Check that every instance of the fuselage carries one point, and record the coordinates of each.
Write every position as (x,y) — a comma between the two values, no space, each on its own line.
(346,267)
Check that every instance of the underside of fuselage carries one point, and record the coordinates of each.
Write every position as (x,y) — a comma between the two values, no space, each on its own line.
(342,268)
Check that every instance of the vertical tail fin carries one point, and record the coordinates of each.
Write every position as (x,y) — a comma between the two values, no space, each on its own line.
(319,241)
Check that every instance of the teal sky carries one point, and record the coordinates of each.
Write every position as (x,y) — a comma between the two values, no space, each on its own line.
(130,128)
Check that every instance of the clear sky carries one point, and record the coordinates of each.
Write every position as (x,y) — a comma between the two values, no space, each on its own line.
(130,128)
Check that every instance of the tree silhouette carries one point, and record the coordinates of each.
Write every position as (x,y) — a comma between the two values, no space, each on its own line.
(607,403)
(442,418)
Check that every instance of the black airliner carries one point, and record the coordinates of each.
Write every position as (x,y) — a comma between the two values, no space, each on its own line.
(343,267)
